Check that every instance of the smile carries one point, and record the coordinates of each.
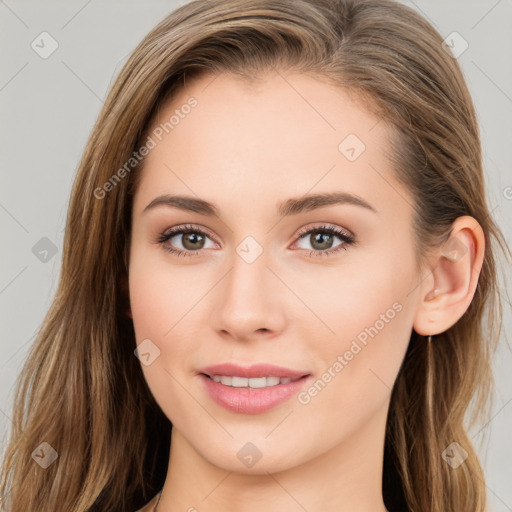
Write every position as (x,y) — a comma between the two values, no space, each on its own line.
(254,395)
(255,382)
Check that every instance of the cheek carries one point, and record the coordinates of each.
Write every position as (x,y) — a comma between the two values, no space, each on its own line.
(159,295)
(159,302)
(367,311)
(151,303)
(165,302)
(358,364)
(356,294)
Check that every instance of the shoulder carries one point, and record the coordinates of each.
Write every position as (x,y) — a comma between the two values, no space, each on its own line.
(149,507)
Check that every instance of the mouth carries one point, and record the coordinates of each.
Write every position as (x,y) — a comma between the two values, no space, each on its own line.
(259,375)
(253,382)
(251,390)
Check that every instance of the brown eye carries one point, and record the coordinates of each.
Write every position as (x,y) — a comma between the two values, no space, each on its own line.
(185,241)
(191,241)
(322,240)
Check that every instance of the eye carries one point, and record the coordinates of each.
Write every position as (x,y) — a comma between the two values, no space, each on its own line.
(322,238)
(193,239)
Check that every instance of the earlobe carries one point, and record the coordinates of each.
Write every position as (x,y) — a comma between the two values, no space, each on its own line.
(449,289)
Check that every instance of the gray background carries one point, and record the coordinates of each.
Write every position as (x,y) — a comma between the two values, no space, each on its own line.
(48,107)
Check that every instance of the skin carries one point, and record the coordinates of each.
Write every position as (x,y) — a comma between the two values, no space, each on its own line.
(246,149)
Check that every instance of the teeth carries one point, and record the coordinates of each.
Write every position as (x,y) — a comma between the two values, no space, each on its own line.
(256,382)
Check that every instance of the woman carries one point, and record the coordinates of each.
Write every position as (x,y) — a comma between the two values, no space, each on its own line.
(277,245)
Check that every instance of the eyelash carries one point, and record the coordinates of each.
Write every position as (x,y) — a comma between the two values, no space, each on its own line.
(347,239)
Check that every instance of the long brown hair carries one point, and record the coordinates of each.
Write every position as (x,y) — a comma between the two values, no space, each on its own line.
(82,390)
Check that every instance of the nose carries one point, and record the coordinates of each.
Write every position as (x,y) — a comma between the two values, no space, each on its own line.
(250,301)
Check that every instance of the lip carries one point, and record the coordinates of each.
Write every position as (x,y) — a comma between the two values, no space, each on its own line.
(252,400)
(255,370)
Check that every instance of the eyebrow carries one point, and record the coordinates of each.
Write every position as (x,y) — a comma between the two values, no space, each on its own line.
(292,206)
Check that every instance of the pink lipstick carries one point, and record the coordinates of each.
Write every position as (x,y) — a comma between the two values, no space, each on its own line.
(254,389)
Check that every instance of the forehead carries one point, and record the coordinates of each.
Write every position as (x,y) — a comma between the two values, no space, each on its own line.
(280,136)
(287,114)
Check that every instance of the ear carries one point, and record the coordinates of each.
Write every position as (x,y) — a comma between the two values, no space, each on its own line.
(448,290)
(126,295)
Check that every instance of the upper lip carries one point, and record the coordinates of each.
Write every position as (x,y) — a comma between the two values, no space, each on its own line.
(255,370)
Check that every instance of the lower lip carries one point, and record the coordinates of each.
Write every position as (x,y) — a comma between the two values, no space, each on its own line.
(251,400)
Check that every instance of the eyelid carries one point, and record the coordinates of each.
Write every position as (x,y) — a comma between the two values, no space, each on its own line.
(347,238)
(324,225)
(176,230)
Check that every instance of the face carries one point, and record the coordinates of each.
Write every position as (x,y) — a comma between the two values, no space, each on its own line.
(324,289)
